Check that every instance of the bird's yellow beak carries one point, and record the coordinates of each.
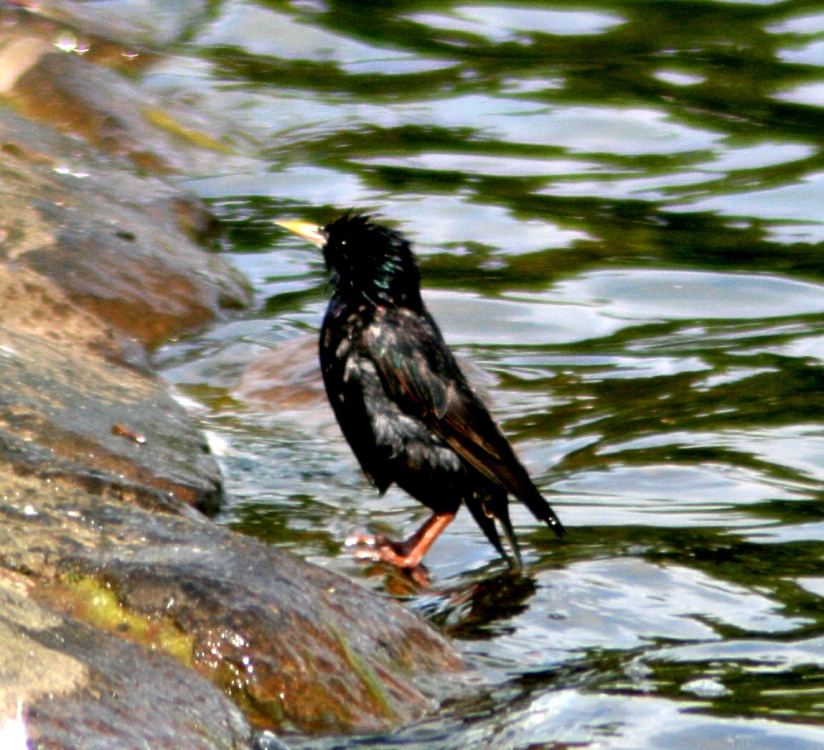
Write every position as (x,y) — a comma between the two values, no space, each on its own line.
(304,229)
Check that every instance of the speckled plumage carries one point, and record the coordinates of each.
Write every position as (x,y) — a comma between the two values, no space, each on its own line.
(399,395)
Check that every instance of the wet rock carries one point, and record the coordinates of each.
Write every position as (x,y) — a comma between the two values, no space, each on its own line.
(98,522)
(100,468)
(61,402)
(67,79)
(77,687)
(154,23)
(126,245)
(133,274)
(116,116)
(295,646)
(118,244)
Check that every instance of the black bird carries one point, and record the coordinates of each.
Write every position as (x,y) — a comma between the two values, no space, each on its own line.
(400,398)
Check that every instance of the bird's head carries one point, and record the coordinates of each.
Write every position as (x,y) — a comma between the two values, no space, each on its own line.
(369,262)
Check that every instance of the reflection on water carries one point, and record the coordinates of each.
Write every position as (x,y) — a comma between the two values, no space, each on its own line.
(618,207)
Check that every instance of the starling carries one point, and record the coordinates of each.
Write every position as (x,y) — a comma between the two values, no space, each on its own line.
(401,400)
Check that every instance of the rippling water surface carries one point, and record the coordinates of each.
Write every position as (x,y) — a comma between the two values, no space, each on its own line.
(619,208)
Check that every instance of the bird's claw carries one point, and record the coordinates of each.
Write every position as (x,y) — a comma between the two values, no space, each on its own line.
(366,541)
(371,548)
(368,554)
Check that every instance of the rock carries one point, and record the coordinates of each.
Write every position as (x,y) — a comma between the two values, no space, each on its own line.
(65,408)
(98,521)
(118,244)
(287,378)
(86,510)
(295,646)
(116,116)
(141,622)
(77,687)
(46,80)
(126,245)
(155,23)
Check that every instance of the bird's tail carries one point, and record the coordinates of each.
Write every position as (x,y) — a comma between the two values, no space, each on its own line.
(541,509)
(485,510)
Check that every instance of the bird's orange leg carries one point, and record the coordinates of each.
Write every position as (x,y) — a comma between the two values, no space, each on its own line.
(406,554)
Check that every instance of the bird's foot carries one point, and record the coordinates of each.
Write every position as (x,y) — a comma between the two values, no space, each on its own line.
(379,549)
(406,554)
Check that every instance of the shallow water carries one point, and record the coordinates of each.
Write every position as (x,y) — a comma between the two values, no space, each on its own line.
(618,207)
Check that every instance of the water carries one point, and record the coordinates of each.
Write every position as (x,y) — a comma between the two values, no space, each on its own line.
(619,212)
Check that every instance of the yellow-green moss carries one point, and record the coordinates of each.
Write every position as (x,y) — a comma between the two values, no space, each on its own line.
(165,121)
(89,600)
(367,675)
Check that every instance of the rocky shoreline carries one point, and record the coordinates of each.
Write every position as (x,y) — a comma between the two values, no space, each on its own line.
(126,616)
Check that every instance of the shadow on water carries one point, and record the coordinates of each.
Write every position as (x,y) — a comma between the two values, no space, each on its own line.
(618,210)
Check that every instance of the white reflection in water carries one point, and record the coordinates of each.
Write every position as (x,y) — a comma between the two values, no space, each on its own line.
(313,185)
(572,718)
(628,602)
(640,294)
(437,222)
(473,319)
(799,202)
(812,54)
(598,304)
(513,23)
(803,25)
(805,93)
(620,187)
(261,31)
(479,164)
(760,155)
(679,78)
(581,129)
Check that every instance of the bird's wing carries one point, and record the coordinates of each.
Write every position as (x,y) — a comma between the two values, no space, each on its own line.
(421,375)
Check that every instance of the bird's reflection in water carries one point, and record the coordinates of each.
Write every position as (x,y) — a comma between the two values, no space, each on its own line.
(471,609)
